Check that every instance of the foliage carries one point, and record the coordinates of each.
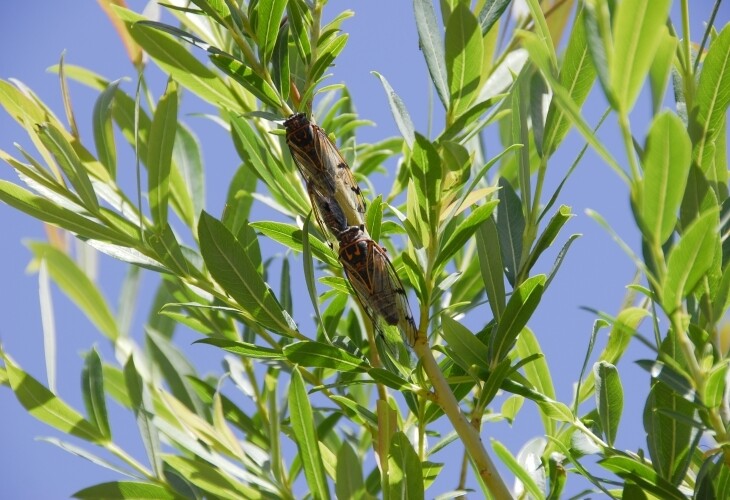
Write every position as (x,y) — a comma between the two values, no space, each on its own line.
(459,227)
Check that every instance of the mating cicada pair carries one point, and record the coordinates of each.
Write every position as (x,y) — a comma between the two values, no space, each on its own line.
(338,205)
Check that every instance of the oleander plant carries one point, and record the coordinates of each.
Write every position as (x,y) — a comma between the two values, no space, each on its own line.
(418,343)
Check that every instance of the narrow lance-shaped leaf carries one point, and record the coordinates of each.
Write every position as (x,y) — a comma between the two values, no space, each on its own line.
(463,58)
(490,265)
(690,259)
(510,229)
(179,62)
(187,179)
(713,96)
(636,36)
(577,75)
(668,435)
(48,323)
(47,407)
(103,130)
(321,355)
(159,153)
(141,403)
(519,309)
(92,383)
(400,113)
(70,163)
(609,398)
(427,175)
(267,28)
(78,287)
(429,39)
(234,271)
(126,489)
(666,167)
(348,480)
(661,68)
(490,13)
(405,471)
(302,422)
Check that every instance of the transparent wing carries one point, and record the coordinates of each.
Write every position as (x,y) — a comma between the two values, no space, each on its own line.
(377,286)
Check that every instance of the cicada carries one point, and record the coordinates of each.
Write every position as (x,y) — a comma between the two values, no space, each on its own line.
(375,282)
(325,171)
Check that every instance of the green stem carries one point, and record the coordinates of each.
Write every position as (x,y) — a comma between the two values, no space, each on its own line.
(629,145)
(698,376)
(468,434)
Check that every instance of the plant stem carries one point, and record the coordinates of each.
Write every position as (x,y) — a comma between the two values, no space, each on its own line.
(468,434)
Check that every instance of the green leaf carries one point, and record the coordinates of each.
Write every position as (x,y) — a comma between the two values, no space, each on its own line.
(622,331)
(556,410)
(242,348)
(210,479)
(690,259)
(305,434)
(117,490)
(536,372)
(48,324)
(70,163)
(231,267)
(463,58)
(239,200)
(636,37)
(609,398)
(141,403)
(577,75)
(714,390)
(47,407)
(490,265)
(159,153)
(510,229)
(521,305)
(103,131)
(661,68)
(469,350)
(48,211)
(713,95)
(557,221)
(247,77)
(267,28)
(642,474)
(427,175)
(400,113)
(292,237)
(464,231)
(349,482)
(187,179)
(491,12)
(666,167)
(562,98)
(92,384)
(179,62)
(514,466)
(327,54)
(405,474)
(430,42)
(321,355)
(78,287)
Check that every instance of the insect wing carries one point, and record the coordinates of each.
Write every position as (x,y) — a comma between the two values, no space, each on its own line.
(376,285)
(347,192)
(302,139)
(328,213)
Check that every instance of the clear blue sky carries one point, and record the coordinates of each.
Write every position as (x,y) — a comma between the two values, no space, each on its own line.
(382,37)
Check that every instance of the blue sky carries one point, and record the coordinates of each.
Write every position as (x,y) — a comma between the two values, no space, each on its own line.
(382,38)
